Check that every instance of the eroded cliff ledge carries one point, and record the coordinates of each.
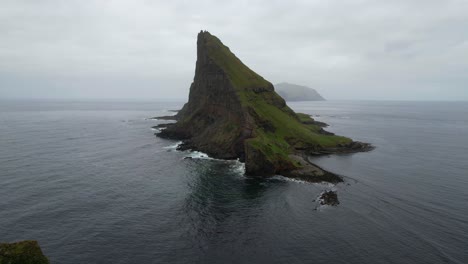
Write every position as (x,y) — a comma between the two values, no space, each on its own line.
(233,113)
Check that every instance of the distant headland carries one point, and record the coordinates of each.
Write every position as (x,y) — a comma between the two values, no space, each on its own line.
(293,92)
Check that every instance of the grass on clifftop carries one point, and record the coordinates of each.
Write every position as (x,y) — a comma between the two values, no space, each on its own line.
(241,75)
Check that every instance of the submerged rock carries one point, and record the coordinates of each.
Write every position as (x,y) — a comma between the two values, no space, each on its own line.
(329,198)
(234,113)
(24,252)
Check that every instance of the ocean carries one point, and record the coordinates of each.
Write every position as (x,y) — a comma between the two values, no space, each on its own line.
(91,182)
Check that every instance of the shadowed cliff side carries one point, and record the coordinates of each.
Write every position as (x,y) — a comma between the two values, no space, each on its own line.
(233,112)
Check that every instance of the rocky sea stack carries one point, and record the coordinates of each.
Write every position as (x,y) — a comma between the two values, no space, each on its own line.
(234,113)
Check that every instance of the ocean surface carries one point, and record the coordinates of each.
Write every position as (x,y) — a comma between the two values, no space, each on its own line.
(91,183)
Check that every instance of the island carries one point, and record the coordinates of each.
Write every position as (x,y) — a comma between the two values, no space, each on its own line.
(293,92)
(234,113)
(23,252)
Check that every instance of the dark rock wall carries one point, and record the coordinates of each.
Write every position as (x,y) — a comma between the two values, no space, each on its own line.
(213,118)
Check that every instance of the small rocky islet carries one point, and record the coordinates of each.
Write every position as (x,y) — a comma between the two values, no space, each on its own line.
(234,113)
(329,198)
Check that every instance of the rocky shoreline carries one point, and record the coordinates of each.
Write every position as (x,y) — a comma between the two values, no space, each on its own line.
(308,172)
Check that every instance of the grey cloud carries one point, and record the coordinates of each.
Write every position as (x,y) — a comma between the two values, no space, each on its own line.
(358,49)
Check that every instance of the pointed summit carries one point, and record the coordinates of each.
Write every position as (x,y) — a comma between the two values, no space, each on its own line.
(233,113)
(211,48)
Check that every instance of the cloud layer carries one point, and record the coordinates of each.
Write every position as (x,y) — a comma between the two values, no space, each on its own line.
(359,49)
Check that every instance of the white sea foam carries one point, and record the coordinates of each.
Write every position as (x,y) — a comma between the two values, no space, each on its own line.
(282,178)
(235,165)
(197,155)
(238,167)
(158,129)
(173,146)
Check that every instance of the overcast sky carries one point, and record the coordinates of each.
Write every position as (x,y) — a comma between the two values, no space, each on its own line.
(345,49)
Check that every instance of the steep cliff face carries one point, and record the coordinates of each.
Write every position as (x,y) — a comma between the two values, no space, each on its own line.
(233,112)
(213,120)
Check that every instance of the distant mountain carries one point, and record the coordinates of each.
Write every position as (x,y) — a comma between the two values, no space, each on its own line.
(294,92)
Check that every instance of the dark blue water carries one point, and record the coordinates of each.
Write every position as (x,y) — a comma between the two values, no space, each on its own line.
(92,184)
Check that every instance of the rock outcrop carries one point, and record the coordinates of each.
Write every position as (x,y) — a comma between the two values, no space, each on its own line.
(329,198)
(24,252)
(234,113)
(293,92)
